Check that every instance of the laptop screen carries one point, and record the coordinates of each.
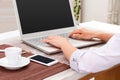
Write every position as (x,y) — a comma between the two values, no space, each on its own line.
(43,15)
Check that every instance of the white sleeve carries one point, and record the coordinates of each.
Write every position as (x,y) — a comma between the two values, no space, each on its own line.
(93,59)
(74,60)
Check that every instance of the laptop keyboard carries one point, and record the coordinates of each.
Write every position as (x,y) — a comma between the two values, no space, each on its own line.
(38,41)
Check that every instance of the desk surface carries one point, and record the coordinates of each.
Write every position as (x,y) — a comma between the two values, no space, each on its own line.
(13,38)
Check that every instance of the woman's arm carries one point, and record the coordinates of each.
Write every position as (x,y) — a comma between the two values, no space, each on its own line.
(82,33)
(104,36)
(93,59)
(88,34)
(97,59)
(63,44)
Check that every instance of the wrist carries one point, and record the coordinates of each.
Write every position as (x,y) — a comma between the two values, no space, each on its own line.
(104,36)
(66,44)
(68,50)
(98,34)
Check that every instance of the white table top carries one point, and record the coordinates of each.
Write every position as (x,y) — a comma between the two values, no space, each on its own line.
(13,38)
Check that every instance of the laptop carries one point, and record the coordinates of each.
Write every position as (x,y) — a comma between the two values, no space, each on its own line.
(38,19)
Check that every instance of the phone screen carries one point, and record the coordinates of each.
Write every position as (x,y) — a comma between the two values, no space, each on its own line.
(42,59)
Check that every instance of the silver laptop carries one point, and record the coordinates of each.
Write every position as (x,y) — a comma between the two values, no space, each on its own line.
(38,19)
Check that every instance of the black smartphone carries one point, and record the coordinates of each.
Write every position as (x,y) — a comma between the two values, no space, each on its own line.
(43,60)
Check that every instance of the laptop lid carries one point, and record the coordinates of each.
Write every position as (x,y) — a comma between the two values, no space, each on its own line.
(39,16)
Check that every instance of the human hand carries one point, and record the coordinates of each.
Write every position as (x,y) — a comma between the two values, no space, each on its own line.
(56,41)
(63,44)
(84,33)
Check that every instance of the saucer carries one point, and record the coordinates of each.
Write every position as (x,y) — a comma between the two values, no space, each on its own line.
(4,63)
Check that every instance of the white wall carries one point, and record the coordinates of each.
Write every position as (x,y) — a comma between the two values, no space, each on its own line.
(94,10)
(119,14)
(7,16)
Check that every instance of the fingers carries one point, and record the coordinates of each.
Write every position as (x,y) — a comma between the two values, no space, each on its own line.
(73,32)
(78,31)
(56,41)
(47,40)
(50,38)
(76,36)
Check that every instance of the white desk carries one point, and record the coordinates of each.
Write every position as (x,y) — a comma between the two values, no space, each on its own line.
(13,38)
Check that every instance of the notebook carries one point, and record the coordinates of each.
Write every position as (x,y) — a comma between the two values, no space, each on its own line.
(38,19)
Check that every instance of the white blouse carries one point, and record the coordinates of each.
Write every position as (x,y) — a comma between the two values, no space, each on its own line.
(97,59)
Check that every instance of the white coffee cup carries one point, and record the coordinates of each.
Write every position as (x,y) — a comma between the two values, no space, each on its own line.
(13,55)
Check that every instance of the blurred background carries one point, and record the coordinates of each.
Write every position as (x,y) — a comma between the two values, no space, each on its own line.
(84,11)
(7,16)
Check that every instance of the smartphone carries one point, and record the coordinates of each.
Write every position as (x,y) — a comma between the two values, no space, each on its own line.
(43,60)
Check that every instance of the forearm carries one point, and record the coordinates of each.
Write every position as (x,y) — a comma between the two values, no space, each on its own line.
(104,36)
(68,50)
(109,55)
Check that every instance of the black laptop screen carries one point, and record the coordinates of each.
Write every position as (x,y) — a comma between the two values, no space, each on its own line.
(43,15)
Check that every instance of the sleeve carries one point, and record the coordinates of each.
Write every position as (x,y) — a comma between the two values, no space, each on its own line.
(96,59)
(89,61)
(74,60)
